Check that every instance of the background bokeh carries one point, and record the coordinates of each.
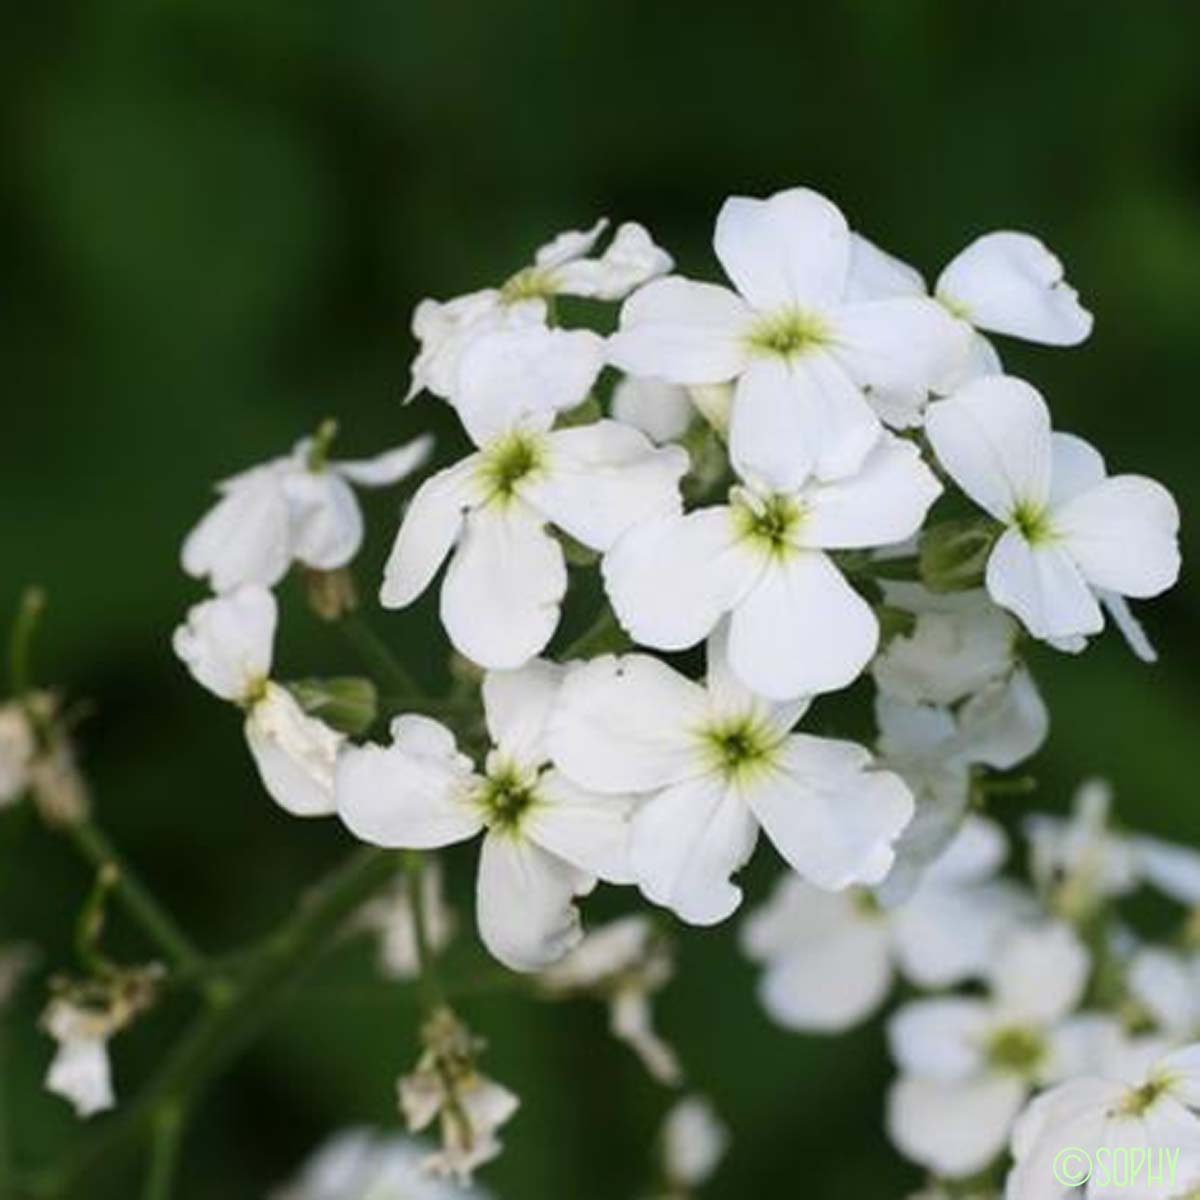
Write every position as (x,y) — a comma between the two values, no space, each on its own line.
(215,218)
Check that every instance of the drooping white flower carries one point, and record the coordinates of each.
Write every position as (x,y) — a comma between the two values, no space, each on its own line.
(507,576)
(694,1140)
(719,763)
(1167,986)
(796,626)
(1073,534)
(662,411)
(562,267)
(297,508)
(1007,283)
(18,748)
(390,916)
(1156,1108)
(80,1071)
(625,962)
(968,1064)
(830,958)
(545,841)
(799,347)
(227,644)
(363,1164)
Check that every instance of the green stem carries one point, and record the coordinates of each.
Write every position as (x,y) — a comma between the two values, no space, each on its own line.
(33,603)
(374,651)
(597,638)
(222,1032)
(431,988)
(165,1141)
(137,899)
(6,1158)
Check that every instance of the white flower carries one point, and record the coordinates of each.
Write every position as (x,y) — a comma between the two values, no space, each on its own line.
(1158,1109)
(1173,870)
(501,594)
(958,645)
(1167,985)
(545,841)
(560,268)
(662,411)
(1072,533)
(797,627)
(1003,282)
(720,762)
(80,1071)
(694,1140)
(936,751)
(298,508)
(227,645)
(18,748)
(800,348)
(361,1164)
(390,916)
(968,1064)
(830,958)
(626,962)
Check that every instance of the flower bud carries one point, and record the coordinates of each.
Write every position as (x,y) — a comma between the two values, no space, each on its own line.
(347,703)
(954,554)
(331,594)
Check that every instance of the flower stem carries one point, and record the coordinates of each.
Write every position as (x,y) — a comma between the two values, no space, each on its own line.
(602,635)
(374,651)
(166,1138)
(431,988)
(33,603)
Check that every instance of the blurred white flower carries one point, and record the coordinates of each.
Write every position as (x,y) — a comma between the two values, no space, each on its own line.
(1073,534)
(797,627)
(719,763)
(80,1072)
(227,644)
(1167,986)
(799,347)
(662,411)
(501,594)
(297,508)
(694,1140)
(390,917)
(18,748)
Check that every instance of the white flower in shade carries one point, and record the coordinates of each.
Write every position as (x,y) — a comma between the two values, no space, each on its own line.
(501,594)
(959,643)
(298,508)
(720,762)
(799,347)
(18,749)
(1007,283)
(227,644)
(1073,534)
(625,962)
(80,1072)
(968,1064)
(693,1142)
(562,267)
(362,1164)
(390,916)
(1157,1108)
(545,841)
(830,958)
(1167,986)
(662,411)
(1173,870)
(937,752)
(796,626)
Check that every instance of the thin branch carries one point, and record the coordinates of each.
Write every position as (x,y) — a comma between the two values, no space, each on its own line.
(431,988)
(376,654)
(166,1137)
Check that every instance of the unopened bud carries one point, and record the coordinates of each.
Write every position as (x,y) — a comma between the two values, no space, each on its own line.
(953,554)
(714,400)
(347,703)
(331,594)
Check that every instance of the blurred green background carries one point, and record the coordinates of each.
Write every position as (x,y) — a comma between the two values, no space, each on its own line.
(215,218)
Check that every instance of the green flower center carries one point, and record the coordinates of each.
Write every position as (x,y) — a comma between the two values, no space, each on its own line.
(1017,1050)
(506,796)
(1138,1100)
(771,525)
(1033,522)
(740,746)
(529,284)
(507,462)
(789,334)
(865,903)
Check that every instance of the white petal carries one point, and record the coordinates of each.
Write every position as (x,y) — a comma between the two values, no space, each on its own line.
(979,360)
(796,916)
(227,642)
(625,725)
(802,630)
(631,259)
(245,537)
(430,527)
(326,522)
(993,437)
(661,410)
(671,580)
(730,698)
(1169,988)
(517,705)
(685,844)
(884,502)
(954,1129)
(632,1021)
(1174,870)
(832,983)
(1005,723)
(295,753)
(524,903)
(792,249)
(532,372)
(1077,466)
(502,591)
(1040,973)
(828,814)
(569,245)
(1132,630)
(1043,586)
(81,1073)
(587,830)
(877,275)
(1123,535)
(694,1141)
(1011,283)
(414,794)
(941,1038)
(682,331)
(604,478)
(791,418)
(389,467)
(977,852)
